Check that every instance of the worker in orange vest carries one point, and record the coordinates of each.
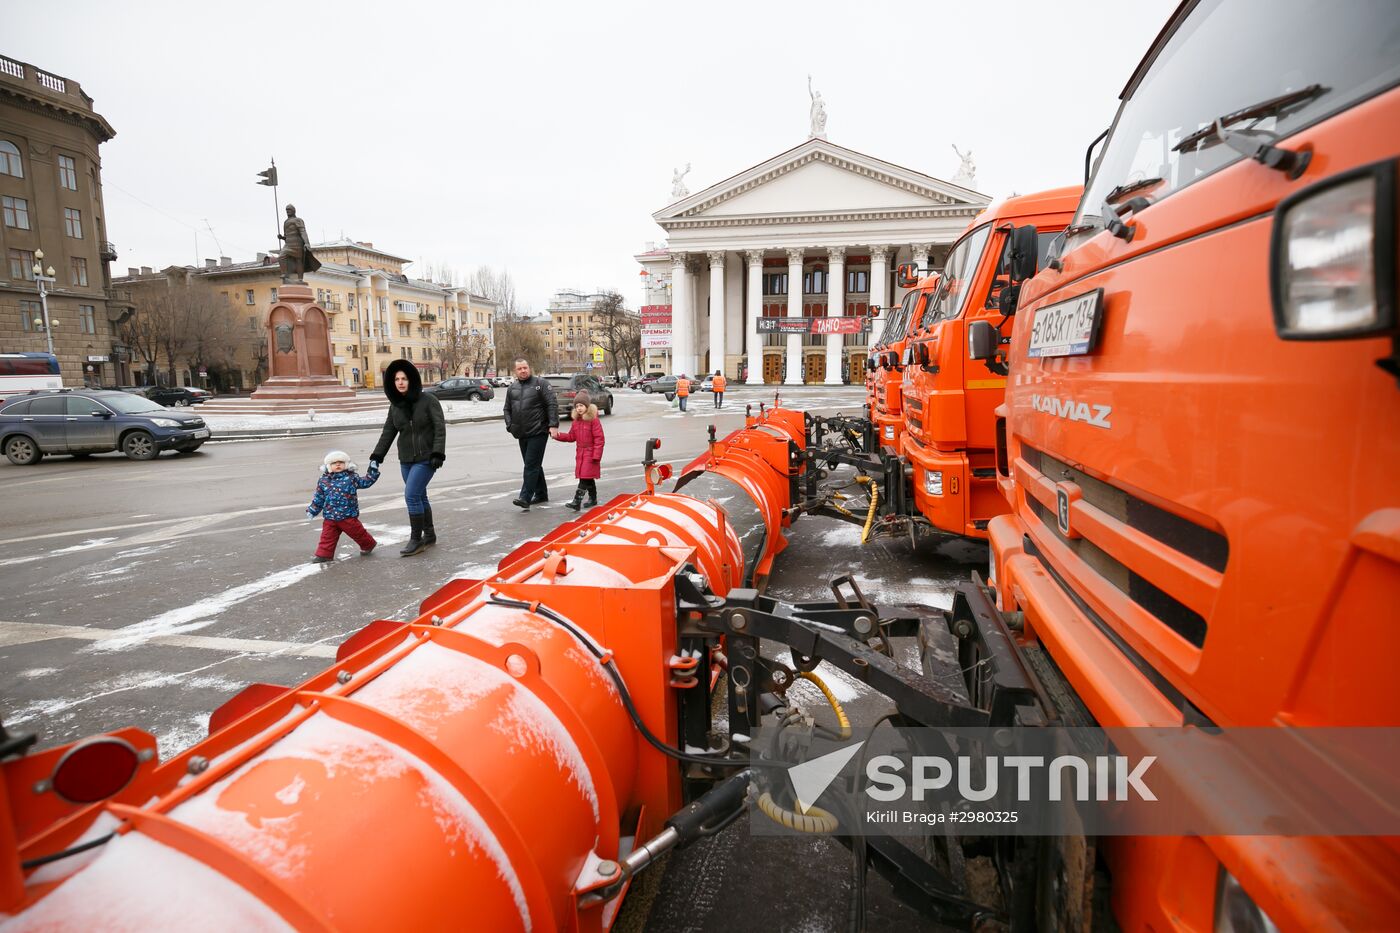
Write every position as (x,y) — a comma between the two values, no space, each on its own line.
(719,385)
(682,390)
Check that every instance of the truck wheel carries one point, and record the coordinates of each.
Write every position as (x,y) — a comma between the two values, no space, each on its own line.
(138,445)
(23,451)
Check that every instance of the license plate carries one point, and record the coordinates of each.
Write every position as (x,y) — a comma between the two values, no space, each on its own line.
(1067,328)
(202,432)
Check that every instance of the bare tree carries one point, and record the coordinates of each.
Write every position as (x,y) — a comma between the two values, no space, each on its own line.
(211,336)
(617,330)
(516,337)
(498,287)
(158,330)
(452,346)
(440,273)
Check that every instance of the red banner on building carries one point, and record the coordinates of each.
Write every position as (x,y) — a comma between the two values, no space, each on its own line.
(836,325)
(656,315)
(811,325)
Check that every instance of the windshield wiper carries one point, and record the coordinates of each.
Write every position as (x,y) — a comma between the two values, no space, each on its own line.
(1272,106)
(1129,187)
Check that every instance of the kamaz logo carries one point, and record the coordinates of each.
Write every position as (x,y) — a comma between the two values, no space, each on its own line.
(1072,410)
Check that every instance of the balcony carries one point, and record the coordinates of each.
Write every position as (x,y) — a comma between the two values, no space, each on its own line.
(381,348)
(331,304)
(427,316)
(108,251)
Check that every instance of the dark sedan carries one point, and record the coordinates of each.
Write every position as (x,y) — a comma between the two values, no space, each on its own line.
(470,388)
(567,386)
(175,396)
(82,422)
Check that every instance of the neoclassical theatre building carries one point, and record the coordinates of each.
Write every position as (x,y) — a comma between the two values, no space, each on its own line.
(815,233)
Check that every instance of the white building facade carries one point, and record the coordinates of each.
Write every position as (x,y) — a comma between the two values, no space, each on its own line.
(815,232)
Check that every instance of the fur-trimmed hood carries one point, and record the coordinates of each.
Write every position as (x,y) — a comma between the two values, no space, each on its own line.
(591,413)
(415,383)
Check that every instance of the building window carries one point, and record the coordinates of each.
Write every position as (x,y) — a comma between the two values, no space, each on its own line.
(354,325)
(408,353)
(10,163)
(403,330)
(16,212)
(67,173)
(248,297)
(427,353)
(814,282)
(858,281)
(775,283)
(73,222)
(274,294)
(225,294)
(22,265)
(87,319)
(350,301)
(383,304)
(253,322)
(29,312)
(78,271)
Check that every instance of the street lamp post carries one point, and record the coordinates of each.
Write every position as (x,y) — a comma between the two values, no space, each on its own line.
(43,280)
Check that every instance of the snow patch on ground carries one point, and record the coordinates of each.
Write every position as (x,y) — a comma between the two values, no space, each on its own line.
(87,545)
(34,672)
(203,613)
(843,534)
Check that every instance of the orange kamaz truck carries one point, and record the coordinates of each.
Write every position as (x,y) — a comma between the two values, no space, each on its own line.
(949,429)
(1200,439)
(884,396)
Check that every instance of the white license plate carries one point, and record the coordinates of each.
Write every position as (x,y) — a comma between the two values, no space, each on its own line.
(202,432)
(1067,328)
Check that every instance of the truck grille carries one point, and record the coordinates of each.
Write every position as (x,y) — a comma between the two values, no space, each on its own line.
(1203,545)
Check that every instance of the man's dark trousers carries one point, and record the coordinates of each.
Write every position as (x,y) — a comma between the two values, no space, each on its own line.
(532,452)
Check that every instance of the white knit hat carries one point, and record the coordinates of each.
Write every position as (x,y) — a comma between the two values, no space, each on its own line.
(335,455)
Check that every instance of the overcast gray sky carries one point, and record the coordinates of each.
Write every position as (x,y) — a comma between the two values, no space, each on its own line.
(541,137)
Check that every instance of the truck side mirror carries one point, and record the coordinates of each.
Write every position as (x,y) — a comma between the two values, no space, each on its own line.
(907,275)
(1024,246)
(982,340)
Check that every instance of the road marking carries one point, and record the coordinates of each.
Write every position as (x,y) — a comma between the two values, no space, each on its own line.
(23,633)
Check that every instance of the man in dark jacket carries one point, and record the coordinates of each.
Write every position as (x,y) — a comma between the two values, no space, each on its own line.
(416,418)
(532,417)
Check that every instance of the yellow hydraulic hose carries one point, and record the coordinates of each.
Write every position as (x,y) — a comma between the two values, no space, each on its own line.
(815,820)
(874,503)
(841,719)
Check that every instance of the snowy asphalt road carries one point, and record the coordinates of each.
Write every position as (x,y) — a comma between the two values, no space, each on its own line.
(149,593)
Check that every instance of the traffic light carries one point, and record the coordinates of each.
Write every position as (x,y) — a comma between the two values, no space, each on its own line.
(269,177)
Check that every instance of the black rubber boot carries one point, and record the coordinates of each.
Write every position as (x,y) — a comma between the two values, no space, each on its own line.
(592,494)
(575,502)
(429,534)
(415,538)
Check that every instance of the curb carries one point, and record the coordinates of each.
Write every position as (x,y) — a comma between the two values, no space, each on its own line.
(328,429)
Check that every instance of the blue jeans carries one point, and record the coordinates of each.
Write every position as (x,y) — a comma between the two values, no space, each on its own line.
(416,477)
(684,399)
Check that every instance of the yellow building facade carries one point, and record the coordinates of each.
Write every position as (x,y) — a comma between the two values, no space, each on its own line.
(378,313)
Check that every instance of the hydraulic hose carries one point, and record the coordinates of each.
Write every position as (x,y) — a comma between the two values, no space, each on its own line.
(874,503)
(607,662)
(815,820)
(841,719)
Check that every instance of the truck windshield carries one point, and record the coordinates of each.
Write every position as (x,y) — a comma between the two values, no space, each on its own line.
(1247,61)
(958,273)
(898,321)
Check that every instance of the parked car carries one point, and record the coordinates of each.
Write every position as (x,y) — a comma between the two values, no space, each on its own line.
(82,422)
(471,388)
(567,386)
(175,396)
(707,384)
(636,382)
(663,384)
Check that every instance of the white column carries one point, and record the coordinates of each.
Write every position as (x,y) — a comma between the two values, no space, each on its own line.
(879,279)
(794,341)
(920,251)
(682,316)
(717,314)
(835,307)
(752,340)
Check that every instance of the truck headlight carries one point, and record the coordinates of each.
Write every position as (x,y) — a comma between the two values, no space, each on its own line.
(933,482)
(1333,257)
(1235,910)
(889,432)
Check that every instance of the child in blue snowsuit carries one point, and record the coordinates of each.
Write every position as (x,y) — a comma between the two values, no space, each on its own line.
(338,498)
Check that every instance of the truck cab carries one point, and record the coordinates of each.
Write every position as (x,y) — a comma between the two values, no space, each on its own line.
(949,429)
(885,370)
(1201,432)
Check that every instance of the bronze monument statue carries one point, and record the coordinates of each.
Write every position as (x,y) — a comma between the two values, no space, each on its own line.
(297,258)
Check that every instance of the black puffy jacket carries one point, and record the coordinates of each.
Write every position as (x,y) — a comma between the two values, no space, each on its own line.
(531,408)
(415,416)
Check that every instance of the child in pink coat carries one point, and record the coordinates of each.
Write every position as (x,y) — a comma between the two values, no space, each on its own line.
(586,431)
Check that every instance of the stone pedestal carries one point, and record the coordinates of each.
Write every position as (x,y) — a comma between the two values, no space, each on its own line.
(299,352)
